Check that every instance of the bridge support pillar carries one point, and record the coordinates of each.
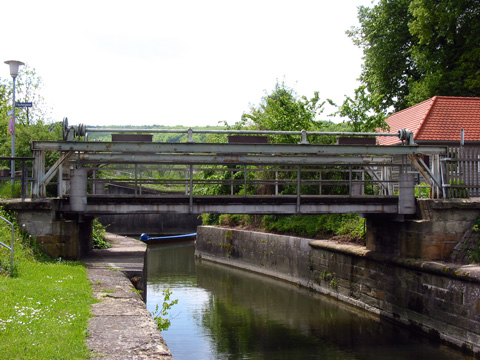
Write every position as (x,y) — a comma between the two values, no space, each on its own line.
(78,189)
(406,197)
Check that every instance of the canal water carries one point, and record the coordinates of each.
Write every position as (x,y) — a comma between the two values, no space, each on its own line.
(227,313)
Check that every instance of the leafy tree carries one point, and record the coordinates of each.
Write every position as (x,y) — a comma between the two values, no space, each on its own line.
(364,111)
(386,41)
(31,124)
(447,48)
(28,89)
(415,49)
(284,110)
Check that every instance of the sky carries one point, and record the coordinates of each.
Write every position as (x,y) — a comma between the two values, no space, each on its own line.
(187,62)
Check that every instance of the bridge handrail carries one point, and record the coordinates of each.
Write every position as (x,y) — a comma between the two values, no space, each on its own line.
(402,134)
(70,132)
(244,132)
(11,246)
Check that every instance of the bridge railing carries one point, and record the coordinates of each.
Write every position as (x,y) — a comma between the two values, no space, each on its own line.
(70,133)
(24,176)
(244,180)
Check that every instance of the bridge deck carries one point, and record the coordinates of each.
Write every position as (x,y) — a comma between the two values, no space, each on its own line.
(127,204)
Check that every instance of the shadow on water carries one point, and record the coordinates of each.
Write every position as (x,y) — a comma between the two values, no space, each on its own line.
(227,313)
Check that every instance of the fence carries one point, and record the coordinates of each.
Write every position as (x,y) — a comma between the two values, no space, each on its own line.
(461,172)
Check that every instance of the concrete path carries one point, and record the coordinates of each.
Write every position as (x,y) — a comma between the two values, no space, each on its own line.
(121,327)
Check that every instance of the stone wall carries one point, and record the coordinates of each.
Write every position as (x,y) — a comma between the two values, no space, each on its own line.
(431,234)
(442,300)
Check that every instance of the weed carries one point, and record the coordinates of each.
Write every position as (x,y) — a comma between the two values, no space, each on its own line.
(159,315)
(329,278)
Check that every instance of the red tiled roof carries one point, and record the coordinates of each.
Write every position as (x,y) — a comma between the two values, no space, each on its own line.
(438,119)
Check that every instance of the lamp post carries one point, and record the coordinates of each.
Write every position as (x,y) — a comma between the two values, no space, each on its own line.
(14,65)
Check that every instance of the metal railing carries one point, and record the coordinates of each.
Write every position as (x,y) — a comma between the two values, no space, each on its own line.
(25,176)
(245,180)
(11,245)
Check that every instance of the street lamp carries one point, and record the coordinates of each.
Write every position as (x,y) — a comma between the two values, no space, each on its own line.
(14,65)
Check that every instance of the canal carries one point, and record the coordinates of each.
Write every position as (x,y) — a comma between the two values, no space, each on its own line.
(227,313)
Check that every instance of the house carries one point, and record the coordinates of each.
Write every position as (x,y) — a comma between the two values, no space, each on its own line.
(438,121)
(445,121)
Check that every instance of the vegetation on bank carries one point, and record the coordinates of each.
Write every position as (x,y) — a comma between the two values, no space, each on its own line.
(340,227)
(45,302)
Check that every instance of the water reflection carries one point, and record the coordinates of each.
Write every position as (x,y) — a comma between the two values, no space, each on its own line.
(226,313)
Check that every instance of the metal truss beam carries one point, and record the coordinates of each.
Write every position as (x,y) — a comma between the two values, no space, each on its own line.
(184,159)
(224,148)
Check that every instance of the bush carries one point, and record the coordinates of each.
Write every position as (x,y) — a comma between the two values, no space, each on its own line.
(7,191)
(422,191)
(99,231)
(210,219)
(236,220)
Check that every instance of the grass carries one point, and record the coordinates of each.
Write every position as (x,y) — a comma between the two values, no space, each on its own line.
(45,305)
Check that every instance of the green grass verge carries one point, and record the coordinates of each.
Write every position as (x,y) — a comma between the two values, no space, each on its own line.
(45,305)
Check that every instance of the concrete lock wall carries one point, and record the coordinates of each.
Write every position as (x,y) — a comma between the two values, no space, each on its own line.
(68,239)
(439,299)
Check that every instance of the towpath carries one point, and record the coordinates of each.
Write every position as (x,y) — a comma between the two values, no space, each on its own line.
(121,327)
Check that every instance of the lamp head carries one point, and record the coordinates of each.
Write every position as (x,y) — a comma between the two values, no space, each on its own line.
(14,65)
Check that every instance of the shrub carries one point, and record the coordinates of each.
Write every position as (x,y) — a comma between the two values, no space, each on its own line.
(422,191)
(99,231)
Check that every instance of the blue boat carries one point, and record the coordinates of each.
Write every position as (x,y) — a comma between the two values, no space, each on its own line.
(167,239)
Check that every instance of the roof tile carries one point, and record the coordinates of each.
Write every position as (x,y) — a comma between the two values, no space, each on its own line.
(438,119)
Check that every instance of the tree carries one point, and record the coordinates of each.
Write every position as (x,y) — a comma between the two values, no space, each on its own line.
(33,124)
(415,49)
(386,41)
(284,110)
(364,111)
(447,48)
(28,89)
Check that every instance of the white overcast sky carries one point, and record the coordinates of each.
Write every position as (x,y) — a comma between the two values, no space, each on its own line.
(188,62)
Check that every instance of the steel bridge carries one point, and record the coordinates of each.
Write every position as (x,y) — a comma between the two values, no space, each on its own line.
(250,177)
